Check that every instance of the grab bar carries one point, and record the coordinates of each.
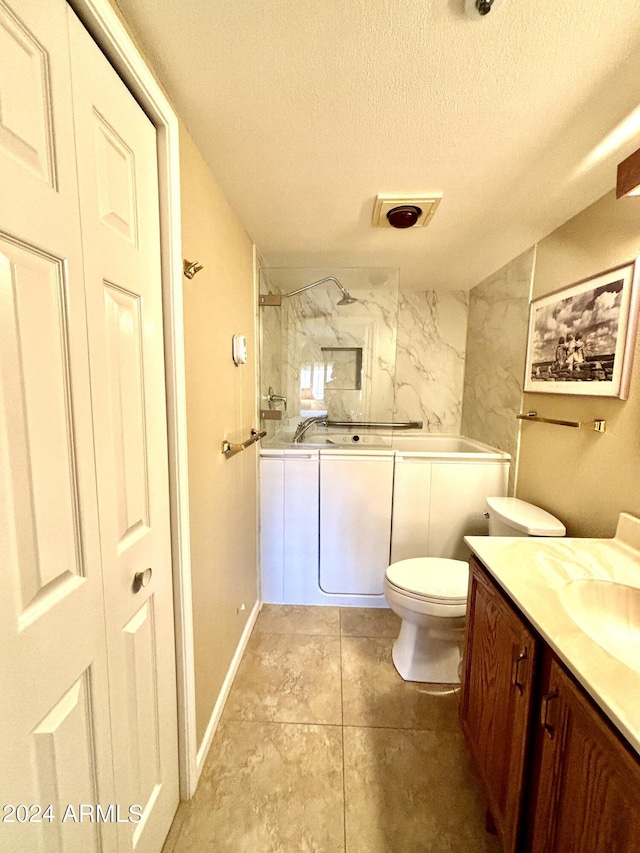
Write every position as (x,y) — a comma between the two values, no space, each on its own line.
(375,424)
(597,425)
(230,448)
(321,421)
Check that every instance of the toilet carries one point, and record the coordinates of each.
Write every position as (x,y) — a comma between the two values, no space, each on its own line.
(430,596)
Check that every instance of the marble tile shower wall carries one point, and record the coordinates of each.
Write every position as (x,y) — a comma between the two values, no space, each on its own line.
(430,362)
(335,359)
(496,351)
(413,349)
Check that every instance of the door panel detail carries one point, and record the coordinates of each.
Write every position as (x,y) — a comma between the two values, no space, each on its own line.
(115,170)
(42,478)
(142,692)
(123,322)
(25,98)
(66,769)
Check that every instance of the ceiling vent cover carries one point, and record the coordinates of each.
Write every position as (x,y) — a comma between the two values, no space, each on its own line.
(427,204)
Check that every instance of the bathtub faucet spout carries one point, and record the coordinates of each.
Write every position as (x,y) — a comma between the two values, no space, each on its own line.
(304,426)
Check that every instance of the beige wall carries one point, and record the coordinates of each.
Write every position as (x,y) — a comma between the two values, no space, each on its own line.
(584,478)
(218,303)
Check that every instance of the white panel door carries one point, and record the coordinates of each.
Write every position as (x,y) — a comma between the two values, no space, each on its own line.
(54,714)
(355,522)
(118,185)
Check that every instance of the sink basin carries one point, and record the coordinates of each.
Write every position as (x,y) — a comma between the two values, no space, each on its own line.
(609,613)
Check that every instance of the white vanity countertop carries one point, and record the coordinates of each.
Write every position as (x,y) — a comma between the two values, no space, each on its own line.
(533,571)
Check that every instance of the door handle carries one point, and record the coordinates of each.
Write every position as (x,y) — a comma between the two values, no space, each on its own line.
(515,671)
(544,713)
(141,579)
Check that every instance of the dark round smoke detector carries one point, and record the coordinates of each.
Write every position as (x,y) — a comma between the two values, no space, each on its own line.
(404,216)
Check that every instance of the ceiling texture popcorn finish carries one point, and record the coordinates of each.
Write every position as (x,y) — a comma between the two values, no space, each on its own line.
(306,111)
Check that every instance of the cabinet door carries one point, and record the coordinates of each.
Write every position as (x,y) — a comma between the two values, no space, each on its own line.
(355,522)
(589,787)
(496,700)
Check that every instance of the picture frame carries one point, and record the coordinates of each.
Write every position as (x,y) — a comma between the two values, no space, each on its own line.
(581,337)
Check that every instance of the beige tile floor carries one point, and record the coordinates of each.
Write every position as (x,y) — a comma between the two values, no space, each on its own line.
(323,748)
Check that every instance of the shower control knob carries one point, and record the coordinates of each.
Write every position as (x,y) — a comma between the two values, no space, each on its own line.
(272,398)
(484,6)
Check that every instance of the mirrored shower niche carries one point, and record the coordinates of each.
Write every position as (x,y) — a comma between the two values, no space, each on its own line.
(325,358)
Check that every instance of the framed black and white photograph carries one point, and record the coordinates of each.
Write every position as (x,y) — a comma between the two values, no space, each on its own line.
(581,338)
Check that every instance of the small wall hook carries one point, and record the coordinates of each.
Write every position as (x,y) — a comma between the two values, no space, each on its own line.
(190,268)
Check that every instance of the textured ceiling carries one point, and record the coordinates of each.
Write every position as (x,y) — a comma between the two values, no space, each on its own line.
(306,109)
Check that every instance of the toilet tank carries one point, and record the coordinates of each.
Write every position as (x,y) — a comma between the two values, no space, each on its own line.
(513,517)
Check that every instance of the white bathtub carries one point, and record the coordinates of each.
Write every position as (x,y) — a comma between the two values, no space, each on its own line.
(334,515)
(447,446)
(424,444)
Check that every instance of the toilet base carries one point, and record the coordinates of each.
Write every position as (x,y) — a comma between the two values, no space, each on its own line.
(421,654)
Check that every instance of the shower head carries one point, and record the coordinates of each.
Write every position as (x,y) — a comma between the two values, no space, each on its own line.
(347,298)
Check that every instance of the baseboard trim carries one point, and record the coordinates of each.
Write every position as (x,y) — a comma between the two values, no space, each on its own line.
(218,708)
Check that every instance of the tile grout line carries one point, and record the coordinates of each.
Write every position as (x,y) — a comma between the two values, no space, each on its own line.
(262,721)
(357,742)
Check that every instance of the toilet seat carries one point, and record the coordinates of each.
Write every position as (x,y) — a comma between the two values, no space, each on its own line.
(429,594)
(430,579)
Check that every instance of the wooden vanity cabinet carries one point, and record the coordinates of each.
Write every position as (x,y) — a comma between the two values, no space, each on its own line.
(497,700)
(587,797)
(557,776)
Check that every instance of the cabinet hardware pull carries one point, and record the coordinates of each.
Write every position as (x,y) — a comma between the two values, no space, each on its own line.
(515,671)
(544,713)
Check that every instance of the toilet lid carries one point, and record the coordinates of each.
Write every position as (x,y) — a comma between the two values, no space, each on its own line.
(431,577)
